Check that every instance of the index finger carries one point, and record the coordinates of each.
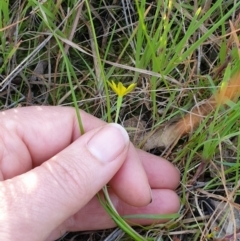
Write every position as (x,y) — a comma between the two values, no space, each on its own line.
(36,134)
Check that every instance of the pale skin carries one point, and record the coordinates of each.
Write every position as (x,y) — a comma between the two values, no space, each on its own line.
(50,174)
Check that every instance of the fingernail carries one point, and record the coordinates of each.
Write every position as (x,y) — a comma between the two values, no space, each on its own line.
(108,143)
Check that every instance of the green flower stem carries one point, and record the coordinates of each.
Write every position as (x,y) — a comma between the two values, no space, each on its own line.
(107,203)
(119,104)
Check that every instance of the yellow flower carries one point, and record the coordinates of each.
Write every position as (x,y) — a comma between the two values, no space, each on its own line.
(120,89)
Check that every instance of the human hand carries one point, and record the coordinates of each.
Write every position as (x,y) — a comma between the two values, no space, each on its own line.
(50,174)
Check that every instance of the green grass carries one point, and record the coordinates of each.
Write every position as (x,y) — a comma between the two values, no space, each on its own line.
(177,53)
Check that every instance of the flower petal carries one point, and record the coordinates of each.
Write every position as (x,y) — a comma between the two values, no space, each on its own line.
(130,88)
(113,86)
(121,89)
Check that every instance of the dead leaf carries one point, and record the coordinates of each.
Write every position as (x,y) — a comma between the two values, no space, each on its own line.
(167,135)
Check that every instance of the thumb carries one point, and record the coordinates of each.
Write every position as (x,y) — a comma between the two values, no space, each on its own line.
(38,201)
